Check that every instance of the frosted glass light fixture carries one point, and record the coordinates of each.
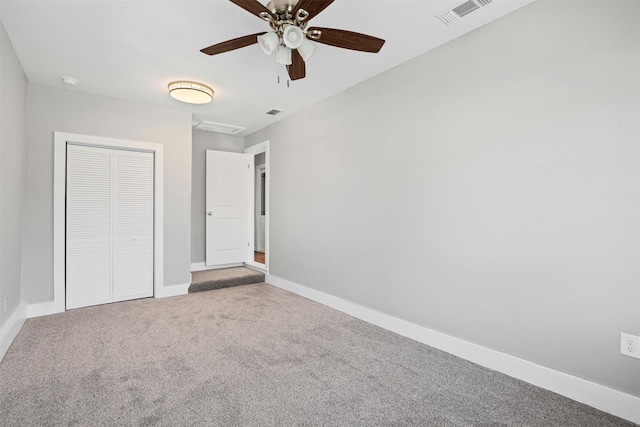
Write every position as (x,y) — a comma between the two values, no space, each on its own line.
(268,42)
(293,37)
(283,55)
(306,49)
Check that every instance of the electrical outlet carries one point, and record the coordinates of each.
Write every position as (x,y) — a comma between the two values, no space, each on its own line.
(630,345)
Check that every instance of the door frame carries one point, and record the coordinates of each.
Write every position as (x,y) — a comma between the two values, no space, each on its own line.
(262,147)
(60,141)
(258,170)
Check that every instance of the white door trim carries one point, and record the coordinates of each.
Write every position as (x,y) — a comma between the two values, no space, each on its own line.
(60,141)
(259,170)
(262,147)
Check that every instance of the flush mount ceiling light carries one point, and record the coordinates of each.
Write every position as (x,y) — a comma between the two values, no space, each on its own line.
(190,92)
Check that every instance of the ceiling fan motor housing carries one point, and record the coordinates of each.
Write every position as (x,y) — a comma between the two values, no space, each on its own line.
(282,6)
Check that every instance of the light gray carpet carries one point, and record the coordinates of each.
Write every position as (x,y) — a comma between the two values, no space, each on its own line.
(253,356)
(224,278)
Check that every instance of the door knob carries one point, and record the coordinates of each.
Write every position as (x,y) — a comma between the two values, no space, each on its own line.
(210,213)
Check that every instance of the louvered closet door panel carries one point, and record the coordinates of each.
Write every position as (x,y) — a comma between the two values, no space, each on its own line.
(89,206)
(133,225)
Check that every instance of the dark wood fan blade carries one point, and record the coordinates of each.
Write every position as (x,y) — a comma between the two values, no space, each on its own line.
(231,44)
(348,39)
(297,69)
(252,6)
(314,7)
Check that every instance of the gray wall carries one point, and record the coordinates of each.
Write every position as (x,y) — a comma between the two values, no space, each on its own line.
(488,189)
(203,141)
(13,87)
(51,109)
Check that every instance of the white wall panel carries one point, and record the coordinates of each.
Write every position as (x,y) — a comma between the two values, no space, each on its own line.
(488,189)
(13,149)
(51,109)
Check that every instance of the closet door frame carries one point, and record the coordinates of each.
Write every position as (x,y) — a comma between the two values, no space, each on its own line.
(61,140)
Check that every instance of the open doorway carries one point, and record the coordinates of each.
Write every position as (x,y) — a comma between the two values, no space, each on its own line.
(259,253)
(259,244)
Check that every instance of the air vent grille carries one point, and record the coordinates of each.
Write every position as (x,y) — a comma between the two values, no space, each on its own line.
(465,8)
(273,112)
(219,127)
(452,15)
(448,17)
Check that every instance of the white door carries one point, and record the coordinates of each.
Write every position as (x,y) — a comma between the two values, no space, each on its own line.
(229,185)
(109,230)
(132,225)
(89,226)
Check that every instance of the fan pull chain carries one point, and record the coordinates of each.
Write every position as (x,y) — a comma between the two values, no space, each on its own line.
(288,81)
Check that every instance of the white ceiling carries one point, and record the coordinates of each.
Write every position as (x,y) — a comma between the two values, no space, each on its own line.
(132,49)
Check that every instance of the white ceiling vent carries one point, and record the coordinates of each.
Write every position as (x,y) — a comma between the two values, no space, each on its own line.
(219,127)
(452,15)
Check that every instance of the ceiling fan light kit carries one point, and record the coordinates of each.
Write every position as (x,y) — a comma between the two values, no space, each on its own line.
(306,49)
(289,37)
(283,55)
(269,42)
(292,36)
(190,92)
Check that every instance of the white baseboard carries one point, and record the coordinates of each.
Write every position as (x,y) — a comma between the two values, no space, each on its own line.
(201,266)
(174,291)
(44,309)
(11,327)
(51,307)
(256,266)
(608,400)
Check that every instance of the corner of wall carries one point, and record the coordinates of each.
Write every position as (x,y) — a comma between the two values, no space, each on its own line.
(174,290)
(13,85)
(11,327)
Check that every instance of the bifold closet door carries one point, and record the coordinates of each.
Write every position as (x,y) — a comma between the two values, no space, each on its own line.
(89,226)
(132,225)
(109,229)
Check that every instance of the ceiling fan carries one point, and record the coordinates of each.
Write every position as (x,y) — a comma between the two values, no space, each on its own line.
(290,37)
